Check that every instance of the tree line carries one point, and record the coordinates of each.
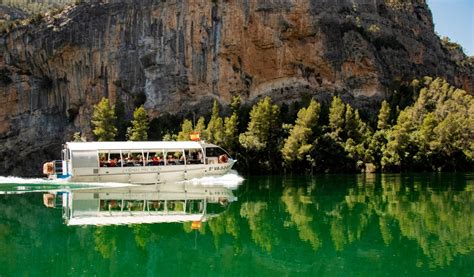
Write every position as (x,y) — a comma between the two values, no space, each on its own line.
(433,133)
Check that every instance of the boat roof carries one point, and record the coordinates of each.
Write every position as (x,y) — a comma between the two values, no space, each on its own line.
(136,145)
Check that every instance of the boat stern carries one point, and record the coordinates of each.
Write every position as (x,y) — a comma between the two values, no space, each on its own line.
(55,170)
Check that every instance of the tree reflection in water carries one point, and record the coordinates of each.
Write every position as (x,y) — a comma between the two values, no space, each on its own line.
(440,220)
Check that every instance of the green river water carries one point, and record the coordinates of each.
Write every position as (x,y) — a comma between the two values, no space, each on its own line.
(327,225)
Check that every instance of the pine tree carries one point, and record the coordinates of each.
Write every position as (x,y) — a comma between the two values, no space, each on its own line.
(262,125)
(201,128)
(103,121)
(215,127)
(230,132)
(140,125)
(383,117)
(337,113)
(297,144)
(186,130)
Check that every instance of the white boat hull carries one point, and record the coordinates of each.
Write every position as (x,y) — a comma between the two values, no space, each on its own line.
(149,174)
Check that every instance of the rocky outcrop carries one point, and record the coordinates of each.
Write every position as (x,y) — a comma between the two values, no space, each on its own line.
(175,54)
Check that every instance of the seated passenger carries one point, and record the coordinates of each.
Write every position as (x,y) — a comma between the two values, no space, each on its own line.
(155,160)
(113,162)
(103,162)
(170,160)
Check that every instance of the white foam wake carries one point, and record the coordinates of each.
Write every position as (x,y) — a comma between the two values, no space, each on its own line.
(14,184)
(231,180)
(32,181)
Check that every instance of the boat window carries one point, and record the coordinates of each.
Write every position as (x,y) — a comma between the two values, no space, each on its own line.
(109,159)
(215,152)
(134,205)
(194,156)
(216,208)
(156,205)
(154,158)
(195,206)
(132,158)
(174,158)
(110,205)
(84,159)
(175,206)
(216,155)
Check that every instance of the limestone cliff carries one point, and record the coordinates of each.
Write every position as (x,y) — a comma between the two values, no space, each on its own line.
(174,54)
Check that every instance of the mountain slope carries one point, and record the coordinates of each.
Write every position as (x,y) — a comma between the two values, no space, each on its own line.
(173,55)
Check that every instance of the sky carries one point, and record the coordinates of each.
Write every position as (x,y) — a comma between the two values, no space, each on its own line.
(455,19)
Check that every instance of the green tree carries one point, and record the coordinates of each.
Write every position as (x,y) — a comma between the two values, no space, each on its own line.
(186,130)
(337,113)
(140,125)
(235,103)
(215,128)
(383,117)
(435,132)
(298,145)
(230,138)
(103,120)
(262,125)
(201,127)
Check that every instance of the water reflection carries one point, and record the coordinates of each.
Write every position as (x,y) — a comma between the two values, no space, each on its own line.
(435,213)
(327,225)
(173,202)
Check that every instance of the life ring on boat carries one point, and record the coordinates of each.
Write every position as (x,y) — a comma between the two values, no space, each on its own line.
(223,159)
(48,168)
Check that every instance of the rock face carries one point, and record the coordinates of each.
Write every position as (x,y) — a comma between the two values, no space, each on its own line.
(175,54)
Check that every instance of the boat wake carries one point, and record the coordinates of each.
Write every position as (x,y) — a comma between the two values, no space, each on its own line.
(231,180)
(18,185)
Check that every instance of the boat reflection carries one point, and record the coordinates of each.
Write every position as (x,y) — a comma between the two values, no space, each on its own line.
(177,202)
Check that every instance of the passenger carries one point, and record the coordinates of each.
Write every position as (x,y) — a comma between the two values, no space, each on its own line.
(112,204)
(103,162)
(200,157)
(129,161)
(139,162)
(155,160)
(113,162)
(170,160)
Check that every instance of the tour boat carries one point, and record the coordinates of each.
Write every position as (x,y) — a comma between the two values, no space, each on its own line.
(160,203)
(144,162)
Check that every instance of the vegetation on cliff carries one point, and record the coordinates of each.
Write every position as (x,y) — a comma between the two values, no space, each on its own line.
(433,133)
(36,6)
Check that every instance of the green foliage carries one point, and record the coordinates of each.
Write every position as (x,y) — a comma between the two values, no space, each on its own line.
(336,115)
(200,125)
(103,121)
(383,117)
(450,45)
(36,6)
(215,128)
(435,133)
(262,125)
(77,137)
(186,130)
(298,145)
(230,139)
(140,125)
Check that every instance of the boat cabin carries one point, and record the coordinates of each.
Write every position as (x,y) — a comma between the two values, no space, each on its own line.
(139,162)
